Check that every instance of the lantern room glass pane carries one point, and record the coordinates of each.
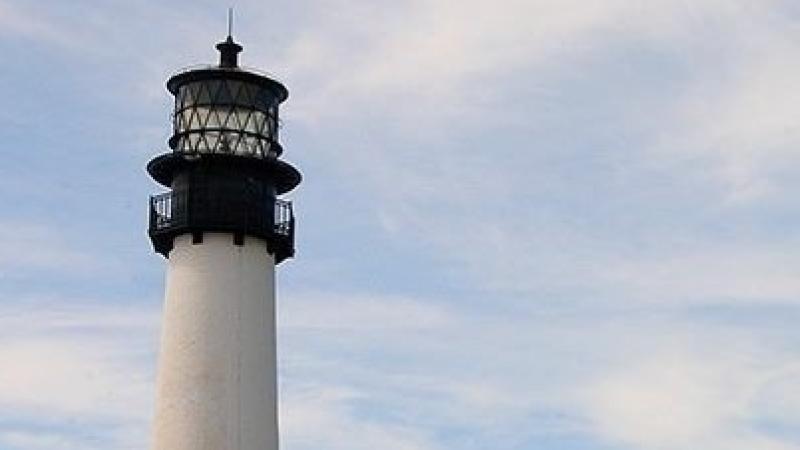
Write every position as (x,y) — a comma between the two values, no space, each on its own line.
(237,119)
(225,92)
(215,118)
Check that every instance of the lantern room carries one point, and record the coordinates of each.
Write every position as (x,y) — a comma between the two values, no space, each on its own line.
(225,109)
(224,171)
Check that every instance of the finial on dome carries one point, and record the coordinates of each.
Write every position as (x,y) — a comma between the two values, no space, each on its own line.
(228,49)
(230,21)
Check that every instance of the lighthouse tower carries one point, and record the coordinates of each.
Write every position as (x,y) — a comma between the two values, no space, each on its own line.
(222,229)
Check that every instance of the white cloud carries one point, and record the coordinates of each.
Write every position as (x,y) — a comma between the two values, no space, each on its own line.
(740,272)
(647,380)
(778,401)
(429,58)
(329,311)
(84,367)
(323,416)
(737,119)
(24,21)
(722,138)
(38,440)
(32,246)
(687,396)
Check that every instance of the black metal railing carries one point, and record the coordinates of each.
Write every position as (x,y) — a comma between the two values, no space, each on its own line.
(284,218)
(168,210)
(236,211)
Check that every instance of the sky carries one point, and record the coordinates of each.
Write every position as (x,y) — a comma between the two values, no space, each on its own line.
(538,224)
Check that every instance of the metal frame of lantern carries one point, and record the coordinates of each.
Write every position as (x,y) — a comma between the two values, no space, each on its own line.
(226,111)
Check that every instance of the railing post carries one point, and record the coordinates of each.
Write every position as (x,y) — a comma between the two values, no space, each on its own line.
(153,213)
(291,229)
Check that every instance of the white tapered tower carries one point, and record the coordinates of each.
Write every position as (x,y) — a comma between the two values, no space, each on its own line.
(222,229)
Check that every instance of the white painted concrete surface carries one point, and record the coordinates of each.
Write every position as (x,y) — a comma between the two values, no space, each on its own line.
(216,386)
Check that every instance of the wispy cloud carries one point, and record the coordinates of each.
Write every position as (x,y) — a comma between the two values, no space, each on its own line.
(21,20)
(688,149)
(28,245)
(82,372)
(644,380)
(679,398)
(331,413)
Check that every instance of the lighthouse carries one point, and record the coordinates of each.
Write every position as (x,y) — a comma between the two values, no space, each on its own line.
(222,228)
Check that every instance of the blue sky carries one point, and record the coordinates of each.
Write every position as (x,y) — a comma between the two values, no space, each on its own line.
(531,224)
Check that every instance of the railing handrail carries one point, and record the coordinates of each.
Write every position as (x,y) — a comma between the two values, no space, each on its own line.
(167,210)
